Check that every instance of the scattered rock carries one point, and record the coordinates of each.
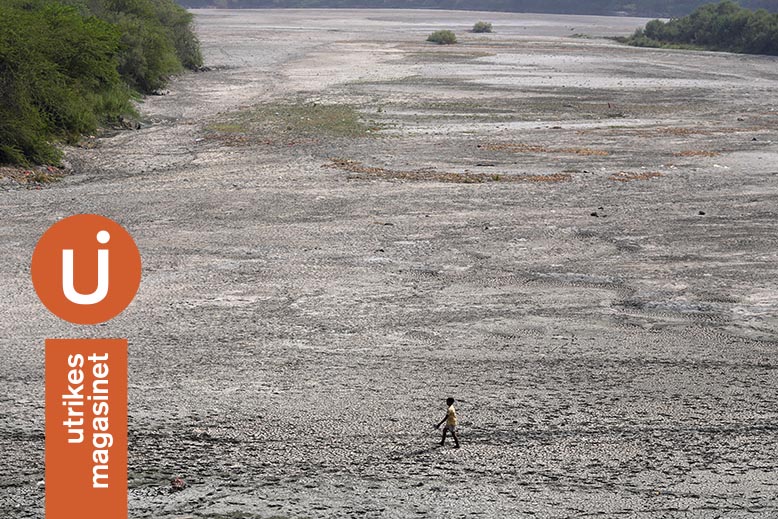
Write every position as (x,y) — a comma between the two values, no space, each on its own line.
(128,124)
(701,213)
(177,484)
(200,434)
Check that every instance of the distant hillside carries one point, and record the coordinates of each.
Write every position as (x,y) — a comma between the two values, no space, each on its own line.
(658,8)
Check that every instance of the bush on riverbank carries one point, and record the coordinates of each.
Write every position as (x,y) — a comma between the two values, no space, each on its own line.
(724,26)
(442,37)
(66,67)
(157,39)
(482,27)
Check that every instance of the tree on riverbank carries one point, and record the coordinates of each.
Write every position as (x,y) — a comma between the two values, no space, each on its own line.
(67,66)
(724,26)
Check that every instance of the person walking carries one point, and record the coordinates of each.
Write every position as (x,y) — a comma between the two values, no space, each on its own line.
(451,423)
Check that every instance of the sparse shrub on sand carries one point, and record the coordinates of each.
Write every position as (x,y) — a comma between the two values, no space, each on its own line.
(482,27)
(443,37)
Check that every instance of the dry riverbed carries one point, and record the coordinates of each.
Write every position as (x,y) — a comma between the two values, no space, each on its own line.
(342,225)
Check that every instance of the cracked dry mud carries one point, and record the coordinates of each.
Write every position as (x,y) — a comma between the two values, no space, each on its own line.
(300,323)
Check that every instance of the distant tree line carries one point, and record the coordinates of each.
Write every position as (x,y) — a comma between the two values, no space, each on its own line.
(724,26)
(66,66)
(659,8)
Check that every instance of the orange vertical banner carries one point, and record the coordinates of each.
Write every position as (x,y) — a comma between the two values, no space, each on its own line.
(86,428)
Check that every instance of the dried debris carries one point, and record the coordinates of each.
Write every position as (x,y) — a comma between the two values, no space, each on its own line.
(34,177)
(625,176)
(672,131)
(361,171)
(534,148)
(697,153)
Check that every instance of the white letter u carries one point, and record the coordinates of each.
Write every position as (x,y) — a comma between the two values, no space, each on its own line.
(102,278)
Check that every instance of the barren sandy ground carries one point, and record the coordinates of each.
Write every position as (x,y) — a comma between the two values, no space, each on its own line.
(299,326)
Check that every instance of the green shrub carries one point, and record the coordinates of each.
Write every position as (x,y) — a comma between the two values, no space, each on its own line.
(482,27)
(442,37)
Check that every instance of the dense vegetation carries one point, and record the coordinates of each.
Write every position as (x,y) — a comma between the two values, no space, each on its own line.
(659,8)
(66,66)
(724,26)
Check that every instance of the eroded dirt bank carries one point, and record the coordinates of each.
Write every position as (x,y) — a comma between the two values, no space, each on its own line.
(342,225)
